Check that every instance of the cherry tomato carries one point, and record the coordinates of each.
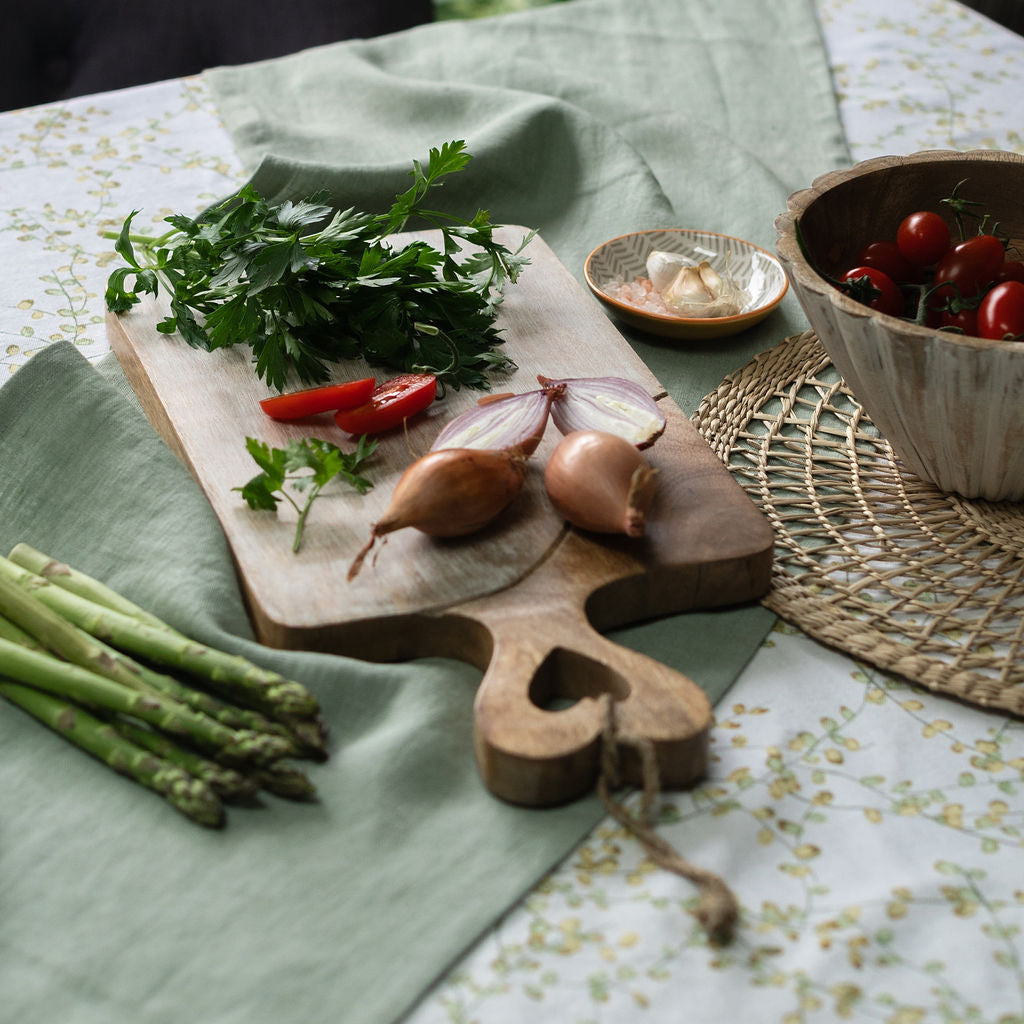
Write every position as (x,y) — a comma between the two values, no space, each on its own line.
(923,237)
(1001,313)
(886,297)
(966,320)
(296,405)
(970,266)
(886,256)
(1012,270)
(390,404)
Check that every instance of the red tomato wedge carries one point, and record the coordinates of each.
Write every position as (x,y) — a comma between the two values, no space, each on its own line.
(296,405)
(391,403)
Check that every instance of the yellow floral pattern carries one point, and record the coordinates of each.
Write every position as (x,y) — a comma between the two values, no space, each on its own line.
(73,171)
(872,832)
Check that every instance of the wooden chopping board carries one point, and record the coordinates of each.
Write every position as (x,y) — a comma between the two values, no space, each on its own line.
(525,600)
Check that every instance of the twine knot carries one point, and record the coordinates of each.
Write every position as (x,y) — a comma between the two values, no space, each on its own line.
(718,909)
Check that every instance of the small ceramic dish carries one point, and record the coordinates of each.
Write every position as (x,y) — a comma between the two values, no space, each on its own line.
(624,259)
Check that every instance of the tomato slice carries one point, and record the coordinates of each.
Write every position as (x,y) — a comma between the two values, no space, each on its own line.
(391,403)
(296,405)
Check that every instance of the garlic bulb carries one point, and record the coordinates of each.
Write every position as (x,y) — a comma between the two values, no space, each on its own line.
(693,290)
(701,291)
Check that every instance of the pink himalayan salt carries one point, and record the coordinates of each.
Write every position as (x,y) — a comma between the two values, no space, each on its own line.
(641,294)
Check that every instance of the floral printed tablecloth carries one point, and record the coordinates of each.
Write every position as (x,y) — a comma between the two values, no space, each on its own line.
(872,832)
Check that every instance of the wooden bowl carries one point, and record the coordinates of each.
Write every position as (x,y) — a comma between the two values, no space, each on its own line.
(951,406)
(625,258)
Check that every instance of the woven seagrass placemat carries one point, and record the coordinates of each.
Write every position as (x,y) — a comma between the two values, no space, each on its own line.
(869,559)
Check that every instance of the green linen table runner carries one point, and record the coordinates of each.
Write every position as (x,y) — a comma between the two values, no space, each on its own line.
(585,119)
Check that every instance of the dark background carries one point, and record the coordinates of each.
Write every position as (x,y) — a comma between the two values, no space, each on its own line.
(57,49)
(61,48)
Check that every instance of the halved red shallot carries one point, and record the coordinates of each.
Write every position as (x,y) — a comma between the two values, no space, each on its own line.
(599,481)
(449,493)
(507,422)
(611,404)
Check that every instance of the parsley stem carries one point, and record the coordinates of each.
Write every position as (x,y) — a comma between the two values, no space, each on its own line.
(145,240)
(303,512)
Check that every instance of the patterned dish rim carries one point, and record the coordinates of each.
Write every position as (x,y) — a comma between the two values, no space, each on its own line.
(718,248)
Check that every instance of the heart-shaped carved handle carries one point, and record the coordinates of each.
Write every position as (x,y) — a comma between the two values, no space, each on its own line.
(532,752)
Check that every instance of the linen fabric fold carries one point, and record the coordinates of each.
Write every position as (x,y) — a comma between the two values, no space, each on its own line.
(585,119)
(115,908)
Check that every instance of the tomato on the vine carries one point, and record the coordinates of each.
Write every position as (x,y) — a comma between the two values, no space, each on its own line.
(923,275)
(923,237)
(968,269)
(965,320)
(1012,270)
(874,288)
(1001,313)
(886,256)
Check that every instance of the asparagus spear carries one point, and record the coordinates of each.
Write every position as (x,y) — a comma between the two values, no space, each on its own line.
(9,631)
(56,634)
(246,681)
(282,779)
(80,583)
(309,736)
(63,638)
(193,797)
(224,781)
(301,737)
(230,716)
(63,679)
(80,648)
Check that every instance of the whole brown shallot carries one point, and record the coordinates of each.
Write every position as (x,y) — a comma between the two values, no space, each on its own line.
(506,422)
(449,493)
(599,481)
(612,404)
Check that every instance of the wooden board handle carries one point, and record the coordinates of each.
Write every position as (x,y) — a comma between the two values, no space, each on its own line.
(531,752)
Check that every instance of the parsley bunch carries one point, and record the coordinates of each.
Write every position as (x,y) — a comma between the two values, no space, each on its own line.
(305,284)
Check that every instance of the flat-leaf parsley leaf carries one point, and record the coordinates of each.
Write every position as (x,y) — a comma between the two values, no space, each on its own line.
(306,465)
(305,284)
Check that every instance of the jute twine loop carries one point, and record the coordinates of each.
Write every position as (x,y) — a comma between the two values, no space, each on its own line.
(869,558)
(718,909)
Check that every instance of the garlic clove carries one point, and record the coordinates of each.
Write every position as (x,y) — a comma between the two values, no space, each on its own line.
(662,267)
(701,291)
(711,279)
(687,291)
